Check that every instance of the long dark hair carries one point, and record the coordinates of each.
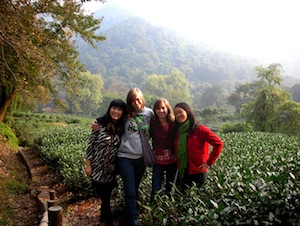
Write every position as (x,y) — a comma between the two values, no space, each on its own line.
(190,114)
(106,120)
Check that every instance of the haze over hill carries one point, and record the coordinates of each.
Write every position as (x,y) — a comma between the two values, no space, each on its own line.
(265,30)
(136,47)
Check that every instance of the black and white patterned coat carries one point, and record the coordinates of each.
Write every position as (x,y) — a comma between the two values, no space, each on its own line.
(101,151)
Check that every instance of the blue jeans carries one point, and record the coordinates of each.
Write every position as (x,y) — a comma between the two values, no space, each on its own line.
(131,172)
(158,177)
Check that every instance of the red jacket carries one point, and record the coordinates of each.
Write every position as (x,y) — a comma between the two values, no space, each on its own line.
(199,142)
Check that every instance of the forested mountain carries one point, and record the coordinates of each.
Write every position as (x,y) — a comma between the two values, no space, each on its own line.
(134,49)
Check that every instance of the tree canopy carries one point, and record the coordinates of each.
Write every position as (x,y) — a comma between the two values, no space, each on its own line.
(37,49)
(89,97)
(267,99)
(173,87)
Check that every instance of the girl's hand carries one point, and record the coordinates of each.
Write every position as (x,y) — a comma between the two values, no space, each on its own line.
(88,170)
(95,126)
(204,167)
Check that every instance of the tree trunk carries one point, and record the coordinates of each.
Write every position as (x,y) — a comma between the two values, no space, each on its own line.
(6,104)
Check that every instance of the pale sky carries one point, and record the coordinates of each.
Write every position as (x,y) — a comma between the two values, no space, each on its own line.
(255,28)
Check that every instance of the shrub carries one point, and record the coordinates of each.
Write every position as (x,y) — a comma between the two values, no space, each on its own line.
(9,136)
(27,125)
(254,182)
(64,149)
(73,121)
(235,127)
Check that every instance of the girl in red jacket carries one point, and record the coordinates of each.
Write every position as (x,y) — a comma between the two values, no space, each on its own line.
(192,145)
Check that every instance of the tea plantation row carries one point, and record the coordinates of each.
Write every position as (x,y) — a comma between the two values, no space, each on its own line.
(254,182)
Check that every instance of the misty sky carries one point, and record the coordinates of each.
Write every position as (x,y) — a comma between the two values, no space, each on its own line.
(264,29)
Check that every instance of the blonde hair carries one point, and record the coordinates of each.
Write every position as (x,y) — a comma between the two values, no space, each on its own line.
(131,96)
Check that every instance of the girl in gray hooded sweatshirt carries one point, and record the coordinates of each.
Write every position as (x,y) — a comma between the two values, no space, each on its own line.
(130,161)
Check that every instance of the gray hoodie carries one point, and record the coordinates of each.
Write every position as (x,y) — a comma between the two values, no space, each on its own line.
(131,146)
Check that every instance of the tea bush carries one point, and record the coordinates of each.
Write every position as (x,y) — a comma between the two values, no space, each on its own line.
(254,182)
(235,127)
(63,148)
(26,126)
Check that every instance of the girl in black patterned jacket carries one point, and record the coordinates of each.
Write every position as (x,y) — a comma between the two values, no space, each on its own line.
(101,152)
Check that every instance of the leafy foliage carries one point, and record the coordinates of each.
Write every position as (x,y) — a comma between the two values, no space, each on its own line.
(263,107)
(235,127)
(37,51)
(243,94)
(295,90)
(131,55)
(9,136)
(270,105)
(254,182)
(64,149)
(26,126)
(287,118)
(87,100)
(173,87)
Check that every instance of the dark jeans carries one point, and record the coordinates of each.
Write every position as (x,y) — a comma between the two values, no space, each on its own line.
(131,172)
(104,190)
(158,176)
(198,178)
(188,180)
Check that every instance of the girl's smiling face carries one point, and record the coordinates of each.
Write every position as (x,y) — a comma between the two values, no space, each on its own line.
(115,113)
(180,115)
(161,111)
(137,103)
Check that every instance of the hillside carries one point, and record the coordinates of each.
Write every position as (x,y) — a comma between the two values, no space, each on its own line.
(134,49)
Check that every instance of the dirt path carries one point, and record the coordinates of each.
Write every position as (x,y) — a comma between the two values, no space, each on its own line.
(27,168)
(82,212)
(17,205)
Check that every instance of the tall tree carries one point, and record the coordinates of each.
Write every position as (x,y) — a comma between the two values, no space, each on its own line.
(37,50)
(267,99)
(295,90)
(243,93)
(107,98)
(287,118)
(197,91)
(89,97)
(173,87)
(212,96)
(270,75)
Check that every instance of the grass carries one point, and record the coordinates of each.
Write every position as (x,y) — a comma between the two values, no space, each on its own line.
(14,186)
(8,187)
(8,136)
